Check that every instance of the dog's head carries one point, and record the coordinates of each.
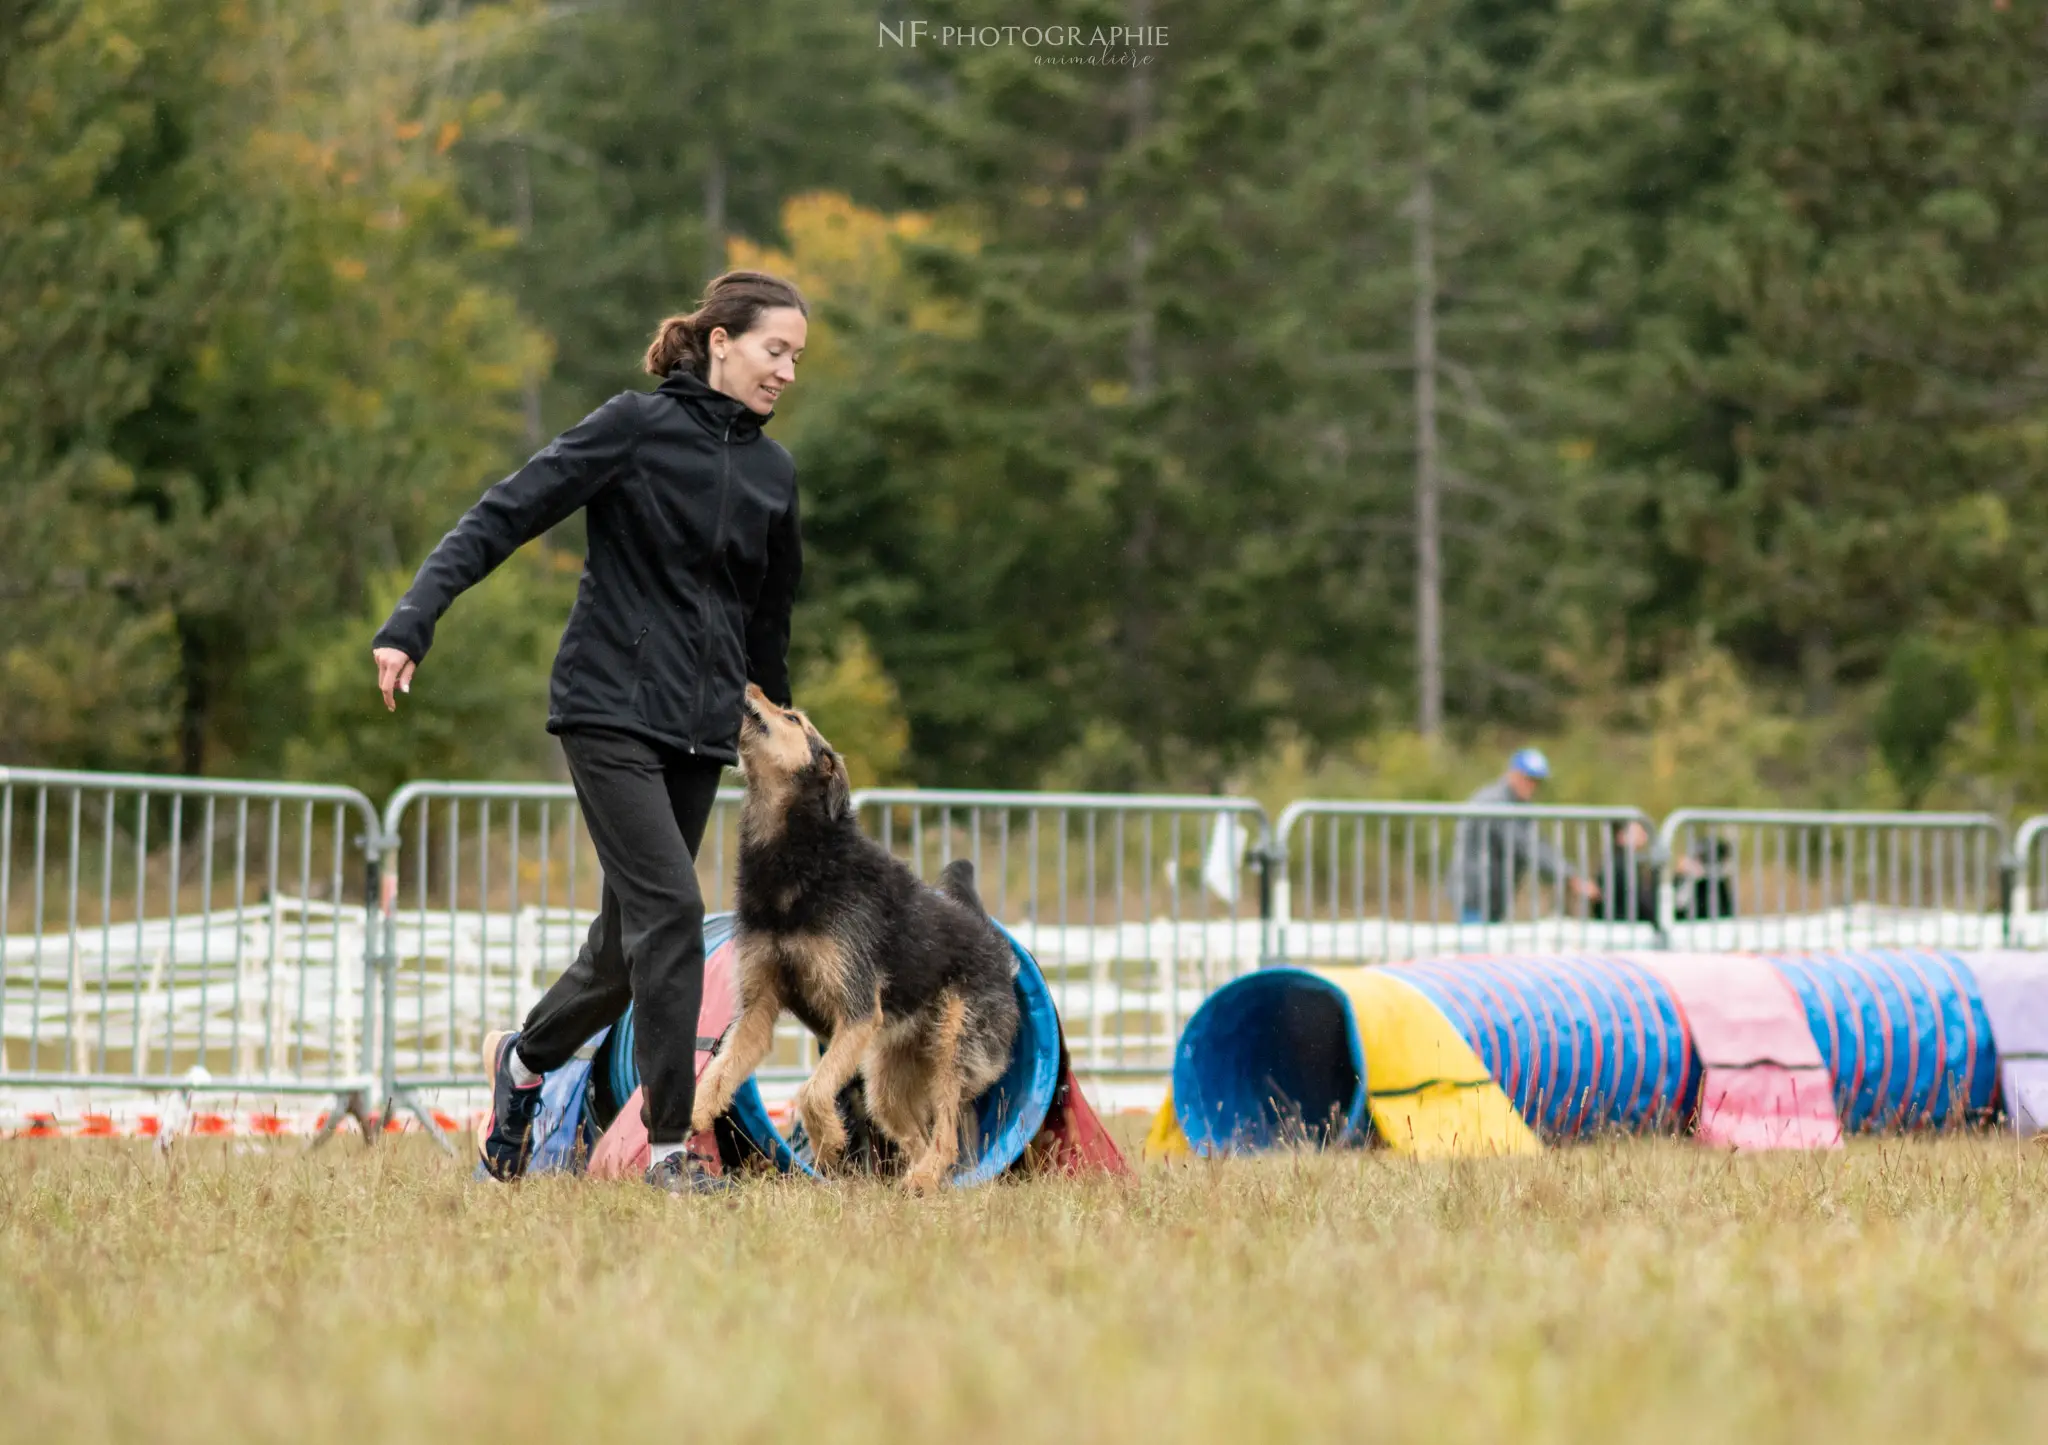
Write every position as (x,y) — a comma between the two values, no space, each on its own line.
(787,762)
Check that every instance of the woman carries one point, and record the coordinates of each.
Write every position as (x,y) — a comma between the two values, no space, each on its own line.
(692,565)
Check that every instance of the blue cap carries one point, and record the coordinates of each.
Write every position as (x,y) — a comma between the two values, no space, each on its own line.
(1530,762)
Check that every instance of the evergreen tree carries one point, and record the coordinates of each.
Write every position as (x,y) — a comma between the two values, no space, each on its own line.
(274,374)
(1810,277)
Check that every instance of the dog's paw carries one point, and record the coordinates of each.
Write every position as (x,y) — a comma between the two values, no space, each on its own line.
(822,1126)
(924,1182)
(828,1146)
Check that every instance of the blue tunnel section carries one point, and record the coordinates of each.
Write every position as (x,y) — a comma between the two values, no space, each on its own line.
(1580,1043)
(1270,1058)
(1903,1032)
(1007,1117)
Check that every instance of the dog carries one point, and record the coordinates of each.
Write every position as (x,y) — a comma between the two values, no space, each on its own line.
(910,988)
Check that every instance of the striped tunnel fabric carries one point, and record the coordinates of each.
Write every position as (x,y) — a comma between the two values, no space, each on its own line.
(1904,1033)
(1580,1043)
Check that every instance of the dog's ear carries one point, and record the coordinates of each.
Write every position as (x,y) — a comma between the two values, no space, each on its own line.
(838,792)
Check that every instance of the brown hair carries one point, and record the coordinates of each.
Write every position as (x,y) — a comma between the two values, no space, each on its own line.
(733,301)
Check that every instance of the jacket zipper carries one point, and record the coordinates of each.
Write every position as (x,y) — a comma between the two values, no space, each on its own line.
(717,551)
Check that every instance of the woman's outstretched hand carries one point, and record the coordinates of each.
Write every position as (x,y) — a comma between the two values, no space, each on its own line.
(394,674)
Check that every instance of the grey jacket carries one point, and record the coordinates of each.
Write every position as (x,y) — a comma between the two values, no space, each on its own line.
(1490,855)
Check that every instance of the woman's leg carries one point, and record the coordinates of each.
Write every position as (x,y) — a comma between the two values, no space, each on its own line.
(591,993)
(668,978)
(622,787)
(646,809)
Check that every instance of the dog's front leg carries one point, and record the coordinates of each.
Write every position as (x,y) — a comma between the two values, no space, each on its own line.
(817,1102)
(734,1064)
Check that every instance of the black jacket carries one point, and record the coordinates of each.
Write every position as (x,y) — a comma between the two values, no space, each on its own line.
(693,563)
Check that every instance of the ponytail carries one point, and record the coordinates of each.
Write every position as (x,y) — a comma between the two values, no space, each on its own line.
(676,346)
(732,301)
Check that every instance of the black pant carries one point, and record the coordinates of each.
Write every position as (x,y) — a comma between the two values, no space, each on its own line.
(646,808)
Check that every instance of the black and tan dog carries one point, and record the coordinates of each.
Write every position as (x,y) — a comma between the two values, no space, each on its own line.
(910,988)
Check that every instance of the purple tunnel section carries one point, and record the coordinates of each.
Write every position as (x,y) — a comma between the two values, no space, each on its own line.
(1581,1044)
(1904,1034)
(2015,989)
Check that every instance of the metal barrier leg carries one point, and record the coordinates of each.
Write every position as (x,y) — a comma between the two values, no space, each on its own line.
(354,1104)
(387,983)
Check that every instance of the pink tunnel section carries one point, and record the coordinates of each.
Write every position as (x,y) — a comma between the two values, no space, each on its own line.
(2014,987)
(1763,1084)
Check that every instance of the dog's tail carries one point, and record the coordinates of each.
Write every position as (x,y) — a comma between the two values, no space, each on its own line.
(957,883)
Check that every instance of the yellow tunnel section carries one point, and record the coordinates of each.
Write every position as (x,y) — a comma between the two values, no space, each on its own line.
(1290,1044)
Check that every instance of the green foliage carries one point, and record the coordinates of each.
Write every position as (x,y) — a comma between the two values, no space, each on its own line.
(478,703)
(239,267)
(1807,281)
(1699,736)
(1108,429)
(2001,749)
(854,704)
(1927,692)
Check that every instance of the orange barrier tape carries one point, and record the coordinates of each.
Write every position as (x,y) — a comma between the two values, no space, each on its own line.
(260,1123)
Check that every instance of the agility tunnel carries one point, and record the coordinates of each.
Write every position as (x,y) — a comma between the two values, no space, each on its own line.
(1453,1056)
(1033,1116)
(585,1115)
(2015,992)
(1491,1055)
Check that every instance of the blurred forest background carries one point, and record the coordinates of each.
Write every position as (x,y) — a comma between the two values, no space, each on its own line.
(1704,337)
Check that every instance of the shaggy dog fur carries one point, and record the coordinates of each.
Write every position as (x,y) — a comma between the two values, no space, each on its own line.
(909,988)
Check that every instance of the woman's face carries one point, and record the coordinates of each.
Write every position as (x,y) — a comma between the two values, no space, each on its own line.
(758,367)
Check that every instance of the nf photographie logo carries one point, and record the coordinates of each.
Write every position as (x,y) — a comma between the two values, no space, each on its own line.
(1049,44)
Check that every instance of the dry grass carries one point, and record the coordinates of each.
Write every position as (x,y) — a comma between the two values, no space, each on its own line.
(1635,1291)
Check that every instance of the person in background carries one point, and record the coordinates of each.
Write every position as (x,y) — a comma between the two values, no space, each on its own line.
(1629,876)
(1703,880)
(1490,855)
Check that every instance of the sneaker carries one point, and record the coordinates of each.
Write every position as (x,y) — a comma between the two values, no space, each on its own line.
(507,1136)
(684,1173)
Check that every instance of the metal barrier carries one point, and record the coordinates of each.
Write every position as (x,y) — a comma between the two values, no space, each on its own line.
(1760,880)
(489,892)
(1134,906)
(170,933)
(2026,908)
(183,933)
(1370,882)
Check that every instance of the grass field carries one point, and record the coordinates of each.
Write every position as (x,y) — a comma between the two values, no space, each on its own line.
(1633,1291)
